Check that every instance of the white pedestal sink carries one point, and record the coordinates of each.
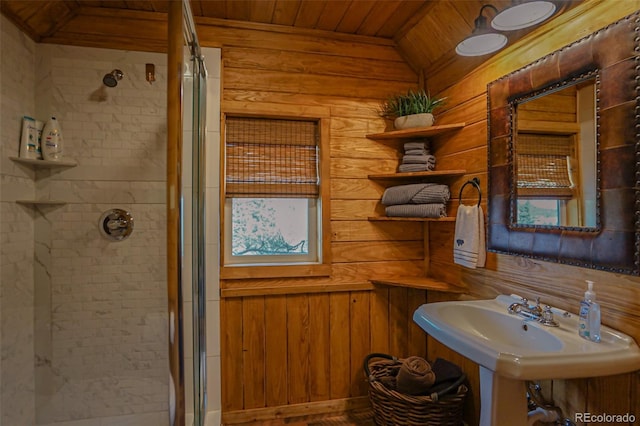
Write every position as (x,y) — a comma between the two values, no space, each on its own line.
(511,350)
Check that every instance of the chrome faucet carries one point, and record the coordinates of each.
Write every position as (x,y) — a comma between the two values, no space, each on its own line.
(534,312)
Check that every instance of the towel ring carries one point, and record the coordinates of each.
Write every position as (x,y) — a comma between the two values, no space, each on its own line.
(476,183)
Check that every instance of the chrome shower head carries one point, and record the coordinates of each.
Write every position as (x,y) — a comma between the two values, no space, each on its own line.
(112,79)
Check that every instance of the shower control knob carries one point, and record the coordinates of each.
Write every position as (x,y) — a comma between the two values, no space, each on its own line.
(116,224)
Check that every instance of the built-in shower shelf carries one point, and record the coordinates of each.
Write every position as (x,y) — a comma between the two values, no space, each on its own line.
(41,202)
(43,163)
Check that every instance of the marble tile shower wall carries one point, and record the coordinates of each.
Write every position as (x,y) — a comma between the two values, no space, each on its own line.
(99,306)
(107,355)
(17,97)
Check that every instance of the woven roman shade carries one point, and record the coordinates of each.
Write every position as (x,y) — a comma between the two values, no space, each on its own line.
(544,165)
(271,158)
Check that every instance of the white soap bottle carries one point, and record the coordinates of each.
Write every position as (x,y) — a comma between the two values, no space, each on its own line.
(589,321)
(51,142)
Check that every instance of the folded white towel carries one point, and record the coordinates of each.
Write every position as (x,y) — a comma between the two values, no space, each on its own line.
(469,239)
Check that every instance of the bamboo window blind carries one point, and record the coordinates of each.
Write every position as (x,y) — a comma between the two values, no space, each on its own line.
(268,157)
(544,166)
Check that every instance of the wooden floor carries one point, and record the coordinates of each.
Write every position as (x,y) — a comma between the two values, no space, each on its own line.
(361,418)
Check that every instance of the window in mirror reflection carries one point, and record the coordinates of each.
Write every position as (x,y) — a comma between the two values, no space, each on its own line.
(539,212)
(555,158)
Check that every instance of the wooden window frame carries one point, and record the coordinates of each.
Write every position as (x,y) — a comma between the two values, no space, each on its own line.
(275,111)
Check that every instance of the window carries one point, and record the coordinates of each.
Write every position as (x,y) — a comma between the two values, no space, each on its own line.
(547,169)
(272,230)
(539,212)
(273,211)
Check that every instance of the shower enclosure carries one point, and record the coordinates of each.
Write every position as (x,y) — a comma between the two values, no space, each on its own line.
(85,331)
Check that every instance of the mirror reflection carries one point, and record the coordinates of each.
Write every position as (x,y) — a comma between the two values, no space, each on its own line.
(555,158)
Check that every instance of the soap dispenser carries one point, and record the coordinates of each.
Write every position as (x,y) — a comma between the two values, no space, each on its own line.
(589,321)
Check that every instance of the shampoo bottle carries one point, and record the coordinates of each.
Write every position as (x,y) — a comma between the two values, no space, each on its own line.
(30,140)
(52,140)
(589,321)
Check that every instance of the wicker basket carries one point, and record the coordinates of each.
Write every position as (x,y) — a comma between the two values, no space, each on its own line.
(394,408)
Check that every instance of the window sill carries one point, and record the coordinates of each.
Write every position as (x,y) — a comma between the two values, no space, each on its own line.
(286,287)
(279,271)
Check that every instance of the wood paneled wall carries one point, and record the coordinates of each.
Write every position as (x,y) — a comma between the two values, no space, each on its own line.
(291,345)
(556,284)
(300,349)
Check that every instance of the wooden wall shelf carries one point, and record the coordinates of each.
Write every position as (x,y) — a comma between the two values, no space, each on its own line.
(417,175)
(423,283)
(419,132)
(416,132)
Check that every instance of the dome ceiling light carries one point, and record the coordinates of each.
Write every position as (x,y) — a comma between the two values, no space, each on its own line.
(482,40)
(521,14)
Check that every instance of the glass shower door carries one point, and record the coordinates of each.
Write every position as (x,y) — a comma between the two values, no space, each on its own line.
(193,178)
(197,247)
(185,219)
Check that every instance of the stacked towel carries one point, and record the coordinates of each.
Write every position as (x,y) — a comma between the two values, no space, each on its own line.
(469,239)
(417,158)
(417,210)
(416,193)
(427,200)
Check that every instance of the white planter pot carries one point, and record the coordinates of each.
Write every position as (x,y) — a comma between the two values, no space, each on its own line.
(415,120)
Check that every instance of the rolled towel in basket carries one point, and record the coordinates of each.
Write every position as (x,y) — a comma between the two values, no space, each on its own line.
(415,376)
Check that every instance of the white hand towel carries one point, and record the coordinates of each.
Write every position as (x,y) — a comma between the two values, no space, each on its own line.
(469,239)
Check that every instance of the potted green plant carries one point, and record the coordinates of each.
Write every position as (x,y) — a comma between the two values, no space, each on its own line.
(413,109)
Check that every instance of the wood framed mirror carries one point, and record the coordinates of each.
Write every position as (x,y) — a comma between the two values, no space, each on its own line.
(585,209)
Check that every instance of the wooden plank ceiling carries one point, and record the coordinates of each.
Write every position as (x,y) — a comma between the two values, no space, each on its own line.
(424,31)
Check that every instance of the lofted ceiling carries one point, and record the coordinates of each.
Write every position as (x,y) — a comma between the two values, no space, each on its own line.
(425,32)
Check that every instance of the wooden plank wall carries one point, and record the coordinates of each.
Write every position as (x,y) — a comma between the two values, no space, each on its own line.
(556,284)
(303,348)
